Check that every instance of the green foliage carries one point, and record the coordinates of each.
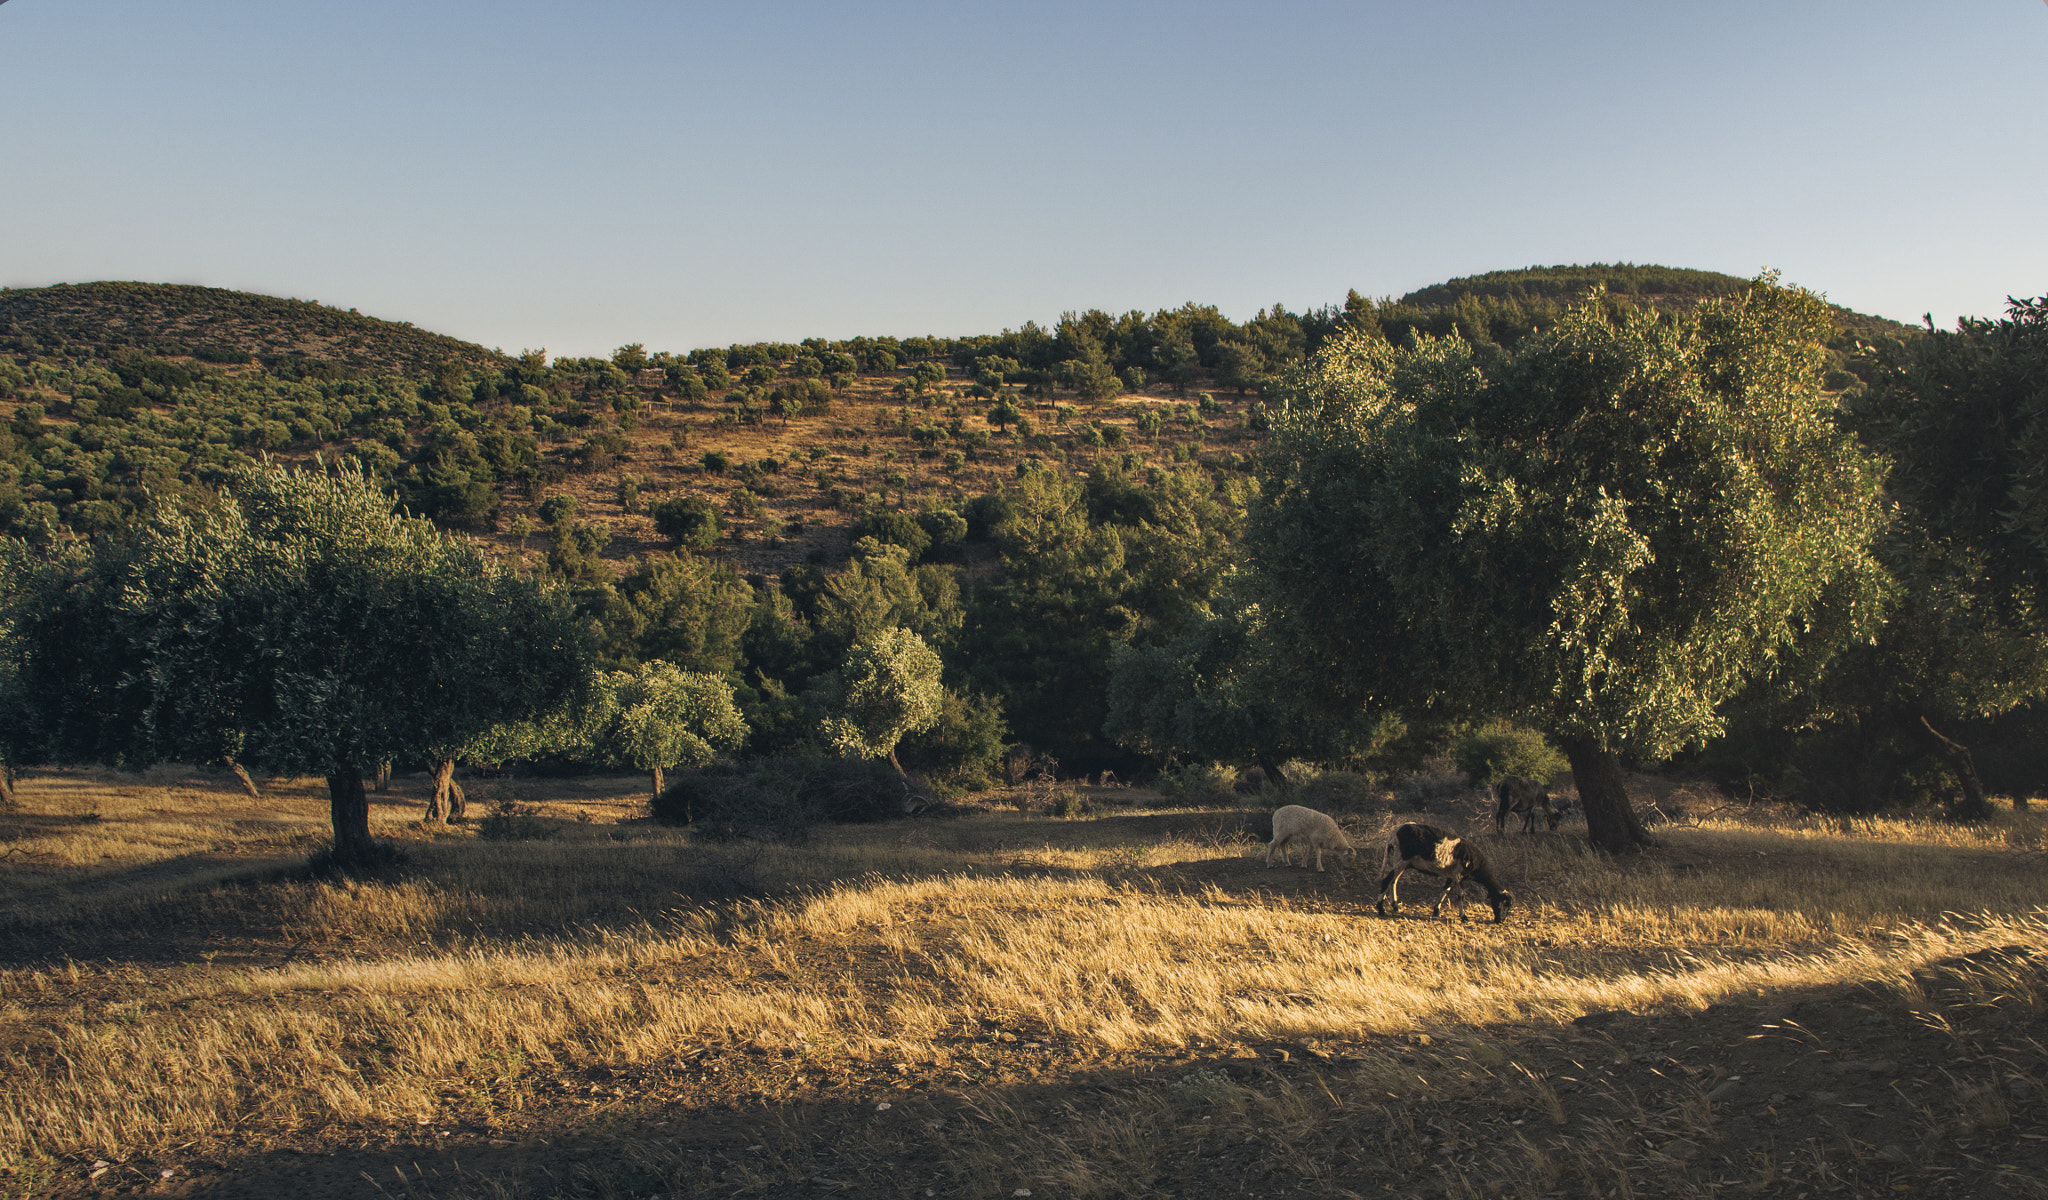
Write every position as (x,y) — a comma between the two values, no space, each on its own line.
(1605,535)
(690,521)
(574,548)
(779,798)
(172,319)
(557,507)
(657,716)
(687,610)
(963,751)
(1963,420)
(887,687)
(298,626)
(1569,283)
(1223,689)
(1501,749)
(894,529)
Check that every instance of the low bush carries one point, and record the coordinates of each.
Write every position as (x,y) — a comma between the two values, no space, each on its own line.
(964,751)
(780,798)
(1334,791)
(1438,780)
(511,822)
(1503,749)
(1199,783)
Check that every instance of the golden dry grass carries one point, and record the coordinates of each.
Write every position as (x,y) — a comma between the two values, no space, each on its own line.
(214,994)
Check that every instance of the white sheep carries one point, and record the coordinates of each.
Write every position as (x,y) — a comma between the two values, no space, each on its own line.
(1311,830)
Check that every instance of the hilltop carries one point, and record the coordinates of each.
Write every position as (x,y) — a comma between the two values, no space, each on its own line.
(161,386)
(215,325)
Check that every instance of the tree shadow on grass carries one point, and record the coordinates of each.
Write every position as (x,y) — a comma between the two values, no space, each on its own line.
(1930,1086)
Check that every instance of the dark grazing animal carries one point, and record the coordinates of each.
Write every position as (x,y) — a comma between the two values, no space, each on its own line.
(1454,860)
(1514,794)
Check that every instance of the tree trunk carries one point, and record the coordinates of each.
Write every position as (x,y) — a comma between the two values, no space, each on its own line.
(1973,806)
(897,765)
(1271,766)
(383,776)
(6,786)
(350,806)
(1611,823)
(458,801)
(241,773)
(437,804)
(657,783)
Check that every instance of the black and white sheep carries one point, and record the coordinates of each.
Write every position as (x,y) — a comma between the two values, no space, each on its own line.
(1454,860)
(1514,794)
(1294,826)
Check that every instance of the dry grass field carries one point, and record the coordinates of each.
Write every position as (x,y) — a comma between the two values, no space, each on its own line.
(997,1003)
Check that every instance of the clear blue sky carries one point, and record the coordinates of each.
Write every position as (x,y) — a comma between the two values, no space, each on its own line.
(580,175)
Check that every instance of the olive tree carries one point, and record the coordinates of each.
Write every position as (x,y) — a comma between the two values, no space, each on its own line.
(887,688)
(658,716)
(294,623)
(1603,536)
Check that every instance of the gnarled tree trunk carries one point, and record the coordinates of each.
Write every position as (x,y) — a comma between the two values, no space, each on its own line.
(242,773)
(1611,823)
(383,777)
(1973,806)
(1270,764)
(350,806)
(439,807)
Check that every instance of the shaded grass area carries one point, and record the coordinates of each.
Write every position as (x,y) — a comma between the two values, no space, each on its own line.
(1096,991)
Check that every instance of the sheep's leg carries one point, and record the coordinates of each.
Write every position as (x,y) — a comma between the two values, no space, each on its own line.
(1319,856)
(1442,896)
(1390,889)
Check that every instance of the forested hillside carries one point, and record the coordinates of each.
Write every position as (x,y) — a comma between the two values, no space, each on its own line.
(1026,501)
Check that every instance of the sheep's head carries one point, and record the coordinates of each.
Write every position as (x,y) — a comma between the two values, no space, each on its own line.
(1502,902)
(1555,814)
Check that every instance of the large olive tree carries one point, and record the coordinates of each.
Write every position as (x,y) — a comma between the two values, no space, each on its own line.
(296,623)
(1603,535)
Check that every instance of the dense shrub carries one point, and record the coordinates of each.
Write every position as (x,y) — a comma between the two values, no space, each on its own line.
(893,529)
(1333,791)
(691,521)
(1504,749)
(1436,781)
(1199,783)
(780,798)
(556,507)
(964,751)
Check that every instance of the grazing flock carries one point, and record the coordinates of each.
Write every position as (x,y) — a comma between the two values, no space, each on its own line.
(1421,848)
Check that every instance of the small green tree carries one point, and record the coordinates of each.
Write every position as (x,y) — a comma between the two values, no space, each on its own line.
(888,687)
(658,716)
(691,521)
